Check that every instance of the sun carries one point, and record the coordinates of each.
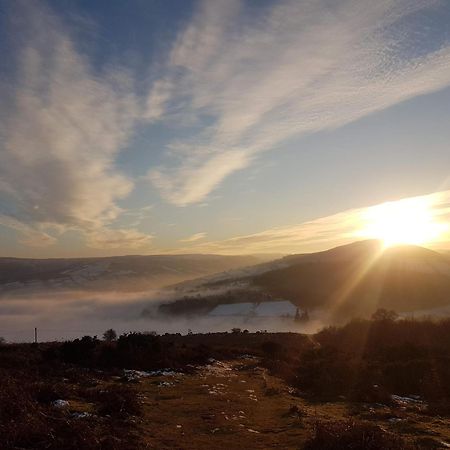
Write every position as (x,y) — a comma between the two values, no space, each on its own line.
(408,221)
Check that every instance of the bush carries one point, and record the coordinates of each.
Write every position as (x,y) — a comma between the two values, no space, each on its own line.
(109,335)
(137,350)
(118,401)
(369,360)
(29,421)
(384,314)
(79,351)
(327,373)
(272,349)
(354,436)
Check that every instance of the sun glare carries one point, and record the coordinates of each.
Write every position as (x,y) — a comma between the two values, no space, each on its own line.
(409,221)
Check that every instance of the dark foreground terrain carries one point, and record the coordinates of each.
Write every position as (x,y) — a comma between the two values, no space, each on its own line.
(379,384)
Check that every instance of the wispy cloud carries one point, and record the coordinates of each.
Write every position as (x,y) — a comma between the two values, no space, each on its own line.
(288,70)
(122,238)
(326,232)
(247,78)
(194,238)
(61,131)
(31,236)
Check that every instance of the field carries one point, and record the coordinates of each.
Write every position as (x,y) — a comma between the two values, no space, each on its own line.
(232,390)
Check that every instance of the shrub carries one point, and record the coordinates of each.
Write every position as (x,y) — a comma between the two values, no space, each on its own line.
(272,349)
(384,314)
(369,360)
(352,435)
(109,335)
(325,372)
(118,401)
(79,351)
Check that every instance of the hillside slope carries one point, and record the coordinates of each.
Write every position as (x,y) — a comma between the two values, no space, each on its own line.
(361,277)
(125,273)
(354,279)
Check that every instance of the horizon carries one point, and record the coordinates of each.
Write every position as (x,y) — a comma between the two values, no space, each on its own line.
(361,224)
(267,255)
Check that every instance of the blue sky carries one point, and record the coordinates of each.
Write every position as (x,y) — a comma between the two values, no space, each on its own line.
(184,126)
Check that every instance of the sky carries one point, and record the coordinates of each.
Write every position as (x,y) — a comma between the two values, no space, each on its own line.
(219,126)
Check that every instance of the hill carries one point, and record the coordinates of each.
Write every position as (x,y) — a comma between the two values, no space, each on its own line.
(361,277)
(354,279)
(124,273)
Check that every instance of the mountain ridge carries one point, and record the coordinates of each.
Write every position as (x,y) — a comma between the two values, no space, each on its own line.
(349,280)
(112,273)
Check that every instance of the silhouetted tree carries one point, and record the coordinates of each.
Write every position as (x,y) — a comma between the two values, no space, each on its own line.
(303,317)
(109,335)
(384,314)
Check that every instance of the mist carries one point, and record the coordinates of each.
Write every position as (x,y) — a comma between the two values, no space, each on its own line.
(68,315)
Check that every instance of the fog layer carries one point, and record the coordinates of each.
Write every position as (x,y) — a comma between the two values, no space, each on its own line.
(71,314)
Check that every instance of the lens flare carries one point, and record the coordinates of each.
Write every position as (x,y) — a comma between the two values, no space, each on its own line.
(408,221)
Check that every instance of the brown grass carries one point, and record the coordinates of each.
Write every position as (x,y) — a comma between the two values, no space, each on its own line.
(294,390)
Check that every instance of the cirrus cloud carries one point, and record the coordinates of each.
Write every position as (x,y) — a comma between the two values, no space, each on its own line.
(61,129)
(239,81)
(291,69)
(194,238)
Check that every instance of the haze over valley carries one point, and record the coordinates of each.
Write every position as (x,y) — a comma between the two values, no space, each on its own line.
(182,293)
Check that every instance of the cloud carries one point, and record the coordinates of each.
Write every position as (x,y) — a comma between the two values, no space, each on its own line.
(194,238)
(61,131)
(118,239)
(259,79)
(29,235)
(239,80)
(137,215)
(178,185)
(327,232)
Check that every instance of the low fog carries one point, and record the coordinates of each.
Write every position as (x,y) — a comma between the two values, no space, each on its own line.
(71,314)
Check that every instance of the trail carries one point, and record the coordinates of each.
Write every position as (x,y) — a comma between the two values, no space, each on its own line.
(224,405)
(238,405)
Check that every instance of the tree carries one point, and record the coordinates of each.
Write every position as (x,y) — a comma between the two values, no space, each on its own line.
(384,315)
(2,340)
(303,317)
(109,335)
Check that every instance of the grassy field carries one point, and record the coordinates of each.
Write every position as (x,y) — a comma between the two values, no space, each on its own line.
(231,390)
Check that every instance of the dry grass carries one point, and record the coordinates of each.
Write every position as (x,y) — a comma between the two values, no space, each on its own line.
(245,407)
(269,398)
(353,435)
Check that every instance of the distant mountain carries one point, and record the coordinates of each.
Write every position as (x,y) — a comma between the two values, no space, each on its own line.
(124,273)
(361,277)
(354,279)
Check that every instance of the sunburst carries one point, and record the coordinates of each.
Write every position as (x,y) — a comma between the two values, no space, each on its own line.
(409,221)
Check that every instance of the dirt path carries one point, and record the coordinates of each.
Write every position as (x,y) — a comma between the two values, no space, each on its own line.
(237,405)
(233,405)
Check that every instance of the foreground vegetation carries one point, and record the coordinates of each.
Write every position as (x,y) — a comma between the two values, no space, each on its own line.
(368,385)
(371,360)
